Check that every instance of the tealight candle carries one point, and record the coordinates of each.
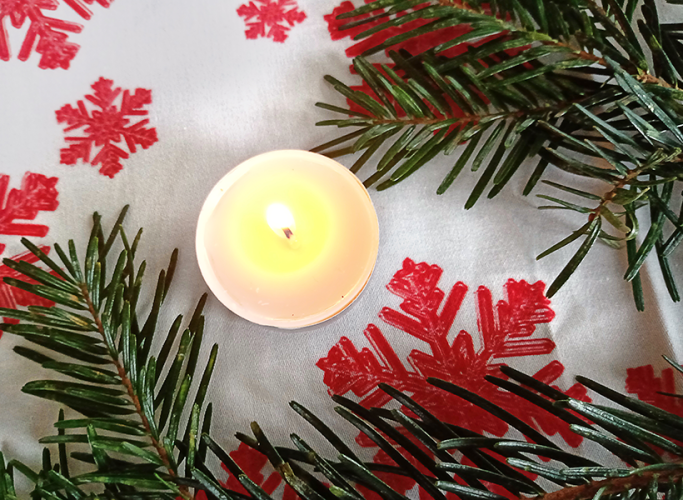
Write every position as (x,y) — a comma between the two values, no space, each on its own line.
(287,239)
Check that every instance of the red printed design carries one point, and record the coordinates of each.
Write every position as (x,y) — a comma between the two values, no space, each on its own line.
(36,194)
(452,110)
(656,391)
(270,18)
(252,463)
(11,297)
(506,330)
(107,125)
(415,45)
(48,36)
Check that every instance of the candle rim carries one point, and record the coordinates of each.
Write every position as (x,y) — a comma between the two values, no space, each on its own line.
(210,204)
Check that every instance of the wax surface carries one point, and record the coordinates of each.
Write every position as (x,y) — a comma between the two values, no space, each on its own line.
(267,275)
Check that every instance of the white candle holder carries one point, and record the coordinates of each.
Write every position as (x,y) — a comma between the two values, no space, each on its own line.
(342,257)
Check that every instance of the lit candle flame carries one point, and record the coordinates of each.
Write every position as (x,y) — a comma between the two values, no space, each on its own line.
(281,221)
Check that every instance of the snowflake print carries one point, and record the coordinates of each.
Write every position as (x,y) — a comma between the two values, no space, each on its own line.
(11,297)
(506,330)
(647,387)
(106,126)
(414,45)
(427,314)
(36,194)
(52,34)
(270,18)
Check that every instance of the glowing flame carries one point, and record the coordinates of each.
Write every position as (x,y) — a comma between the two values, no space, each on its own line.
(280,220)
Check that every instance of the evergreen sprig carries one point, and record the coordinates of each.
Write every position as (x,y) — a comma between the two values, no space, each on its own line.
(567,83)
(95,338)
(645,438)
(131,415)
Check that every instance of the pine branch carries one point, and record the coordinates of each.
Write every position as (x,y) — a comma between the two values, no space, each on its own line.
(125,380)
(630,435)
(95,323)
(646,438)
(565,84)
(670,473)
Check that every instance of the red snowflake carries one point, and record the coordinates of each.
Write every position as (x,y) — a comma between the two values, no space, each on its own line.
(453,111)
(107,125)
(252,462)
(11,297)
(53,40)
(37,193)
(427,314)
(270,18)
(643,383)
(415,45)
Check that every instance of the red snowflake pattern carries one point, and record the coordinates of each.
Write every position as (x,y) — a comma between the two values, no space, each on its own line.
(270,18)
(53,40)
(107,125)
(11,297)
(427,314)
(253,462)
(414,45)
(453,111)
(36,194)
(643,383)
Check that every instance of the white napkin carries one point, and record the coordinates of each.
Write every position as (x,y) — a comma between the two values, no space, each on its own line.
(218,86)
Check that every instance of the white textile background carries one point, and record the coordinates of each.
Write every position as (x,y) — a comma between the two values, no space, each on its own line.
(219,98)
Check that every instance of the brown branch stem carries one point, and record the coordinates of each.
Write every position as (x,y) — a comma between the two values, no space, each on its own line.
(577,53)
(609,196)
(612,486)
(469,118)
(126,382)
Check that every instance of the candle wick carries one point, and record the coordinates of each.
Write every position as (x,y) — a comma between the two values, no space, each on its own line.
(291,237)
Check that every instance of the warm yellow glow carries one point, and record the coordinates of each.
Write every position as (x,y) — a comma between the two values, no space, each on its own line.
(252,266)
(280,220)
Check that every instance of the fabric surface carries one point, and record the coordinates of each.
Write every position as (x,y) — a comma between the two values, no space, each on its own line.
(205,85)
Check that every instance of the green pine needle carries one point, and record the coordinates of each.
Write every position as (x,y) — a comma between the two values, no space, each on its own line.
(128,432)
(568,82)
